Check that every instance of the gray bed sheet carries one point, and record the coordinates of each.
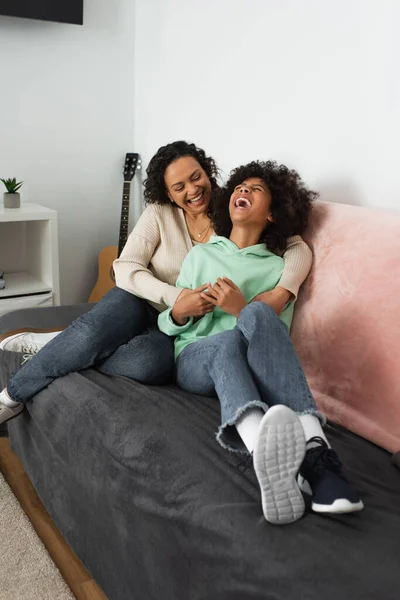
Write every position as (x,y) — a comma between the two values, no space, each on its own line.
(134,479)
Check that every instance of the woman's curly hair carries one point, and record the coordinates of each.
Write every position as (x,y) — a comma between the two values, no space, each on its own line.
(290,207)
(154,185)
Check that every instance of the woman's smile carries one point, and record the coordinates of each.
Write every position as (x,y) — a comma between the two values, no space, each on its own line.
(197,200)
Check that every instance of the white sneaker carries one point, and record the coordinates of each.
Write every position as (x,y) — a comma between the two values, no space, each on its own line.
(27,342)
(278,453)
(9,412)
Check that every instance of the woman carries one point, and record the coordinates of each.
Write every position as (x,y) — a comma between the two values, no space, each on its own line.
(119,335)
(242,350)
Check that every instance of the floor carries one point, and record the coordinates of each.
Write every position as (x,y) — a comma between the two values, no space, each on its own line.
(74,573)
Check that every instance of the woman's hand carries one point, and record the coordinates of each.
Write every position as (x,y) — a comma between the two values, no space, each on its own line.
(191,304)
(184,292)
(225,294)
(276,298)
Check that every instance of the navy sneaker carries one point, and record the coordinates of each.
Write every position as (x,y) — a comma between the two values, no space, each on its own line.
(331,491)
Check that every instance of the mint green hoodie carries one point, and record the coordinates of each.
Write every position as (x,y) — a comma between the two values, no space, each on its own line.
(254,270)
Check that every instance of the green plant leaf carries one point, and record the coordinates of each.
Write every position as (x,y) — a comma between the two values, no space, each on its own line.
(11,185)
(7,183)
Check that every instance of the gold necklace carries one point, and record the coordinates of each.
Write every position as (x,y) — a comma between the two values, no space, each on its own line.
(204,236)
(206,228)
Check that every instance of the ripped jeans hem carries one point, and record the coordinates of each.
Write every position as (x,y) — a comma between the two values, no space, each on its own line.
(221,433)
(221,436)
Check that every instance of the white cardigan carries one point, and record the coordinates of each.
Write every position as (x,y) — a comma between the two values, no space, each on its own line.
(150,262)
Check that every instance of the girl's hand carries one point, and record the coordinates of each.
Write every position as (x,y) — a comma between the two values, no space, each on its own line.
(276,298)
(225,294)
(191,304)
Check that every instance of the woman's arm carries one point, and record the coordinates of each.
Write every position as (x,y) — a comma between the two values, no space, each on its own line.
(180,316)
(298,260)
(168,321)
(131,268)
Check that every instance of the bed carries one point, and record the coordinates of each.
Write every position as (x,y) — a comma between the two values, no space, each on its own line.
(156,509)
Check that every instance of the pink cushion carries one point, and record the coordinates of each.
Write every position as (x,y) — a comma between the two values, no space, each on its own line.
(346,328)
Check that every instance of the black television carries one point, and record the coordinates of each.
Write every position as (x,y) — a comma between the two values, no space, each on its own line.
(62,11)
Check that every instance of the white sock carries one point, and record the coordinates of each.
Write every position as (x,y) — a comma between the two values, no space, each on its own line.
(6,400)
(312,428)
(247,426)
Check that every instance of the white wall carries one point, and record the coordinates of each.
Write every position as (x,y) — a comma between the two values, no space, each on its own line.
(311,83)
(66,122)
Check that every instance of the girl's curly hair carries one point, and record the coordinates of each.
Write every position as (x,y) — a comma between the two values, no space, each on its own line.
(290,207)
(154,185)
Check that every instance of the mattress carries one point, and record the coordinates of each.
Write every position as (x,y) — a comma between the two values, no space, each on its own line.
(137,484)
(155,509)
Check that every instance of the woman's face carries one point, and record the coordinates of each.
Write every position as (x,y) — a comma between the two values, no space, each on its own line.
(250,203)
(188,185)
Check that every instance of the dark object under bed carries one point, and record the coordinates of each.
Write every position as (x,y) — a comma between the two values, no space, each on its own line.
(157,510)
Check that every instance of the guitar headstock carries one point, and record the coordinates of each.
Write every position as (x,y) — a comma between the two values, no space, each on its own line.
(132,162)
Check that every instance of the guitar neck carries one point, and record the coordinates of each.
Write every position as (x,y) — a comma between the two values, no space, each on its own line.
(123,228)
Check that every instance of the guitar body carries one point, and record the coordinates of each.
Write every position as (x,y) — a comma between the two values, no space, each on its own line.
(105,280)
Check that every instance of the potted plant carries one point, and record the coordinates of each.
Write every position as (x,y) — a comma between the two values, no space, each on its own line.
(11,196)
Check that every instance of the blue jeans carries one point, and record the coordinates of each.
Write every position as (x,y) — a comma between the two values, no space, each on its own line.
(119,336)
(252,365)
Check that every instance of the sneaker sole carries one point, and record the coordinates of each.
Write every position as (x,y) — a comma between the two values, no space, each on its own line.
(279,451)
(339,506)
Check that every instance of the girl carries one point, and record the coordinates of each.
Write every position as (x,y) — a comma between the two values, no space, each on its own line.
(119,335)
(242,350)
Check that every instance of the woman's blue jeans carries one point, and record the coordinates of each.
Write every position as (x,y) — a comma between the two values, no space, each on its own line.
(254,364)
(119,336)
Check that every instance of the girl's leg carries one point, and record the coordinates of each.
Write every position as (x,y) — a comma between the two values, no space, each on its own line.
(219,364)
(273,360)
(280,379)
(248,425)
(117,318)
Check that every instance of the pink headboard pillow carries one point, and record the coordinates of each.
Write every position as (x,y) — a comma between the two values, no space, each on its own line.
(346,328)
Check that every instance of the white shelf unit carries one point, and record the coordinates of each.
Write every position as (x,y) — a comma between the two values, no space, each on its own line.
(29,257)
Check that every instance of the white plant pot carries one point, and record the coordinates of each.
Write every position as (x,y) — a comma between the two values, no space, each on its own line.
(12,200)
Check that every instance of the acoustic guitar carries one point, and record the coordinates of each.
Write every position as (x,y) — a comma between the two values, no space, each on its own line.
(106,278)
